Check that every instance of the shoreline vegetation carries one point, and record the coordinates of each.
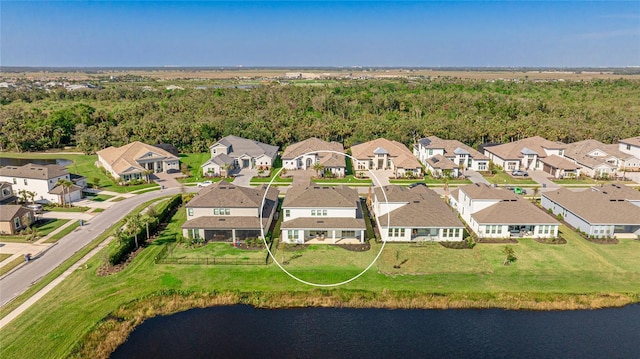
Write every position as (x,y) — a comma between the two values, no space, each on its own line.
(113,330)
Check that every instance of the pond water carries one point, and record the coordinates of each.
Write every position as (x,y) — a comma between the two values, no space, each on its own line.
(245,332)
(39,161)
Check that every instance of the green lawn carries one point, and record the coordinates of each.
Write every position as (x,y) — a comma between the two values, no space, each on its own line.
(6,268)
(4,256)
(348,180)
(102,197)
(55,324)
(58,236)
(502,178)
(194,161)
(65,209)
(43,230)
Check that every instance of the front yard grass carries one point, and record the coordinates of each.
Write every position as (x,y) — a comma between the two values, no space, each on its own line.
(7,267)
(43,228)
(58,236)
(4,256)
(502,178)
(65,209)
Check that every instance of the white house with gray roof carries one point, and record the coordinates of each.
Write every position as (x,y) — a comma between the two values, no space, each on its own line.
(440,155)
(43,181)
(603,211)
(630,145)
(499,213)
(230,213)
(322,214)
(236,152)
(414,214)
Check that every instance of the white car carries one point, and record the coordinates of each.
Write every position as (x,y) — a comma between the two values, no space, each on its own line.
(204,184)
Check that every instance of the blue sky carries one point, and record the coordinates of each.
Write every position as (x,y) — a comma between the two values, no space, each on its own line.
(327,33)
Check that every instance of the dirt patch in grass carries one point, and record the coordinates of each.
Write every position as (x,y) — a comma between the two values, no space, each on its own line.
(455,244)
(557,240)
(107,269)
(497,240)
(360,247)
(603,240)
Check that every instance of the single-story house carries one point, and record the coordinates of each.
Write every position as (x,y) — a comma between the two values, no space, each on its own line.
(560,167)
(14,218)
(414,214)
(599,160)
(304,154)
(134,160)
(382,154)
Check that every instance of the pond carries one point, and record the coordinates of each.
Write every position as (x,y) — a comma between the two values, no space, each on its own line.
(39,161)
(246,332)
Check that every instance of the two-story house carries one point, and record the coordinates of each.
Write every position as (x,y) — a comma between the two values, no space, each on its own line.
(304,154)
(498,213)
(236,152)
(134,160)
(525,154)
(440,156)
(43,181)
(322,214)
(414,214)
(229,213)
(382,154)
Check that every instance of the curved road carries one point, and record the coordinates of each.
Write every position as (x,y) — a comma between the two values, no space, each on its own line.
(21,279)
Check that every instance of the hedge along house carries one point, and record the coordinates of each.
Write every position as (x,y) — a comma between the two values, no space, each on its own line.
(322,214)
(606,211)
(224,212)
(134,160)
(233,152)
(414,214)
(499,213)
(304,154)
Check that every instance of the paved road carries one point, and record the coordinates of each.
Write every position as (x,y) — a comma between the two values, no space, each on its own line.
(20,280)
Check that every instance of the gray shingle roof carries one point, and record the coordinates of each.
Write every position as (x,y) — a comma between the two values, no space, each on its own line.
(596,207)
(34,171)
(226,195)
(451,147)
(314,196)
(240,146)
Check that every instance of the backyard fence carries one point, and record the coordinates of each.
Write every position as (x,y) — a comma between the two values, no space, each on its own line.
(164,258)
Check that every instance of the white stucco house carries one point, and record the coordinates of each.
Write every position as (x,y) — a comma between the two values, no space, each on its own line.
(229,213)
(322,214)
(524,154)
(452,156)
(304,154)
(499,213)
(414,214)
(133,160)
(631,146)
(233,152)
(382,154)
(597,159)
(43,181)
(603,211)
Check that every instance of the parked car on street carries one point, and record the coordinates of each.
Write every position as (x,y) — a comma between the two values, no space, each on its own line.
(204,184)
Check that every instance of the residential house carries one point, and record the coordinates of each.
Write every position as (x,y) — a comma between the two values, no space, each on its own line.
(631,146)
(524,154)
(414,214)
(598,160)
(230,213)
(322,214)
(382,154)
(43,181)
(498,213)
(135,160)
(14,218)
(603,211)
(304,154)
(560,167)
(449,156)
(236,152)
(6,194)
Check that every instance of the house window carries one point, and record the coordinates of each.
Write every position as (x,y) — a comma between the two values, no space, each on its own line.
(511,166)
(430,152)
(482,166)
(628,147)
(313,212)
(25,181)
(287,213)
(221,211)
(319,212)
(215,212)
(14,181)
(189,212)
(194,233)
(292,234)
(5,192)
(16,222)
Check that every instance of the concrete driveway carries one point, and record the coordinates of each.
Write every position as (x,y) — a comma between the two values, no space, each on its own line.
(475,177)
(243,177)
(382,176)
(544,180)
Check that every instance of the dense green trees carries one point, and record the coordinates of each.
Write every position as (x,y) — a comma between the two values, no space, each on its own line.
(351,111)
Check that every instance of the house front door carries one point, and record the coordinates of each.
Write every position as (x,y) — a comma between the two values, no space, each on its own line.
(245,163)
(309,162)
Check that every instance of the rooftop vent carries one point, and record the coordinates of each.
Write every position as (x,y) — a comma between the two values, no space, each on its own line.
(222,219)
(320,222)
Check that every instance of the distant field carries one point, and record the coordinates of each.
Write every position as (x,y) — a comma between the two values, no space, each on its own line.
(245,74)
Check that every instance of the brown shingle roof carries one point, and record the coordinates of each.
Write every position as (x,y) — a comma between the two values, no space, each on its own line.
(559,162)
(424,208)
(399,153)
(33,171)
(513,150)
(635,141)
(579,149)
(227,195)
(314,196)
(441,162)
(596,207)
(484,191)
(313,145)
(122,159)
(518,211)
(9,211)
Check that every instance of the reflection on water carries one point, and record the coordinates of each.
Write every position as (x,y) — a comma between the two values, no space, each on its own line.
(38,161)
(246,332)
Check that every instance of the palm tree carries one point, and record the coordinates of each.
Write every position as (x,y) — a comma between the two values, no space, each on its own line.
(146,220)
(318,167)
(134,224)
(147,174)
(66,185)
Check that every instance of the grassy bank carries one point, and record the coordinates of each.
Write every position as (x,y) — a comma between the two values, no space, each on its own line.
(576,275)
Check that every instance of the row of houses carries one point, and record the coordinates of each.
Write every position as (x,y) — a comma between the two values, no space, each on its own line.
(439,157)
(318,214)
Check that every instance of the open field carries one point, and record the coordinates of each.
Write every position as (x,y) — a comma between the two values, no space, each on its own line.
(579,272)
(272,73)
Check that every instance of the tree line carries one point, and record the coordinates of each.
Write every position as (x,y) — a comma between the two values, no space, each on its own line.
(350,112)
